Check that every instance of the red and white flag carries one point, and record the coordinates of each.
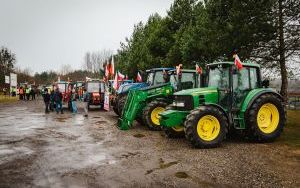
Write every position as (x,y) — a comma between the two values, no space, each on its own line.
(120,76)
(106,70)
(237,62)
(139,77)
(126,77)
(116,84)
(198,69)
(178,69)
(112,66)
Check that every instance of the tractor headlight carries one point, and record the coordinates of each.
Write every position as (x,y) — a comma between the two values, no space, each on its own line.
(178,103)
(183,102)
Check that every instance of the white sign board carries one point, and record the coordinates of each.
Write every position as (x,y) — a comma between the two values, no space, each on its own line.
(106,101)
(13,80)
(7,79)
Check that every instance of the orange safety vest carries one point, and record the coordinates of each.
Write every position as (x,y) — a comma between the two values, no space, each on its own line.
(21,91)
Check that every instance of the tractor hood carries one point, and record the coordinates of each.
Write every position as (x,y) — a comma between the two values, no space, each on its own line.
(126,87)
(198,91)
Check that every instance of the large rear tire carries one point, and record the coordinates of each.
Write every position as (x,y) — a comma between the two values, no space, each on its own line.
(121,103)
(151,111)
(206,127)
(265,118)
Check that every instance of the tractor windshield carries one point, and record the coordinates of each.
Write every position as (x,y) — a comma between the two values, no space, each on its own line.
(218,77)
(155,78)
(188,81)
(93,87)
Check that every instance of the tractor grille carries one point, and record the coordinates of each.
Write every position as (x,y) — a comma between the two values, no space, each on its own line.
(183,102)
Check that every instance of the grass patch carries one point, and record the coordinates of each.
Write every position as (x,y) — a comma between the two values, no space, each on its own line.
(7,99)
(291,131)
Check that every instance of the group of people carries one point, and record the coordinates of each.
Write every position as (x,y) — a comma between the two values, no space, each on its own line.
(54,100)
(26,93)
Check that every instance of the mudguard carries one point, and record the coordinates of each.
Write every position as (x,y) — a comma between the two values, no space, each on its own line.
(250,98)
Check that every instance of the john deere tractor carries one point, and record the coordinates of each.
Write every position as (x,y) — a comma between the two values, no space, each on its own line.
(233,100)
(154,77)
(145,104)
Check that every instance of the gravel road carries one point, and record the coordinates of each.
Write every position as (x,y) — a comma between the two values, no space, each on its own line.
(65,150)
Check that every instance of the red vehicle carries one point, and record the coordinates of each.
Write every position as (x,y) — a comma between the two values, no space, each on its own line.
(65,91)
(95,91)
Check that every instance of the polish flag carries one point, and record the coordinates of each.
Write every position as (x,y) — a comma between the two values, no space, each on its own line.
(237,62)
(112,67)
(116,85)
(139,77)
(198,69)
(106,70)
(126,77)
(178,69)
(120,76)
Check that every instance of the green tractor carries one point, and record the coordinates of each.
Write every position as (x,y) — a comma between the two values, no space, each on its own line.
(234,100)
(144,105)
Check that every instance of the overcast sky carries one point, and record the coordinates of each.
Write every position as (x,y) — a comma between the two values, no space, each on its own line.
(44,34)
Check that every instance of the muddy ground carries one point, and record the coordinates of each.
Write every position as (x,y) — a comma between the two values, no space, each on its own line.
(65,150)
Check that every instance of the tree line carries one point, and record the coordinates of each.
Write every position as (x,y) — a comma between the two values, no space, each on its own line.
(266,32)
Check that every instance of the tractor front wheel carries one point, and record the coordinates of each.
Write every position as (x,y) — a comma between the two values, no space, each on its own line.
(265,118)
(151,114)
(206,127)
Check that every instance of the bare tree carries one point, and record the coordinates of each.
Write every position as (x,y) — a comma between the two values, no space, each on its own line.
(93,61)
(65,69)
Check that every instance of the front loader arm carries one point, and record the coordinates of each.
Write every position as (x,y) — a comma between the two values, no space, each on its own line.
(136,100)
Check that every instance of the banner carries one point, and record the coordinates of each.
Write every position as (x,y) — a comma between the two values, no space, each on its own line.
(7,79)
(106,101)
(13,80)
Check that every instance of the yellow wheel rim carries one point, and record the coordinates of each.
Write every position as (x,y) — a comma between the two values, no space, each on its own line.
(178,128)
(155,115)
(208,128)
(268,118)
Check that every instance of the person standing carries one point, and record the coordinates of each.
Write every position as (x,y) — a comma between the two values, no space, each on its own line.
(21,93)
(86,102)
(58,101)
(73,103)
(46,101)
(52,100)
(27,91)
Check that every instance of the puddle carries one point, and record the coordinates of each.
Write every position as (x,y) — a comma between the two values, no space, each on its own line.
(61,119)
(163,165)
(96,117)
(139,135)
(181,175)
(100,122)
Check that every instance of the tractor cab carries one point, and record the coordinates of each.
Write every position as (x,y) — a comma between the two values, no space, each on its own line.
(187,79)
(233,85)
(95,89)
(233,101)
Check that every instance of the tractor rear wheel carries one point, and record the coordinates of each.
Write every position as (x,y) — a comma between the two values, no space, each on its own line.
(206,127)
(174,132)
(265,118)
(151,114)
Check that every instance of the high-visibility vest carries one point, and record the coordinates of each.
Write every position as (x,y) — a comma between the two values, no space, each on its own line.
(21,91)
(27,91)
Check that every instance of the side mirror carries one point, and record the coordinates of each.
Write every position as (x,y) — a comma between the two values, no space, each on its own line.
(265,83)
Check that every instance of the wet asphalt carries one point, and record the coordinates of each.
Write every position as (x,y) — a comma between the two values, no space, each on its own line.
(69,150)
